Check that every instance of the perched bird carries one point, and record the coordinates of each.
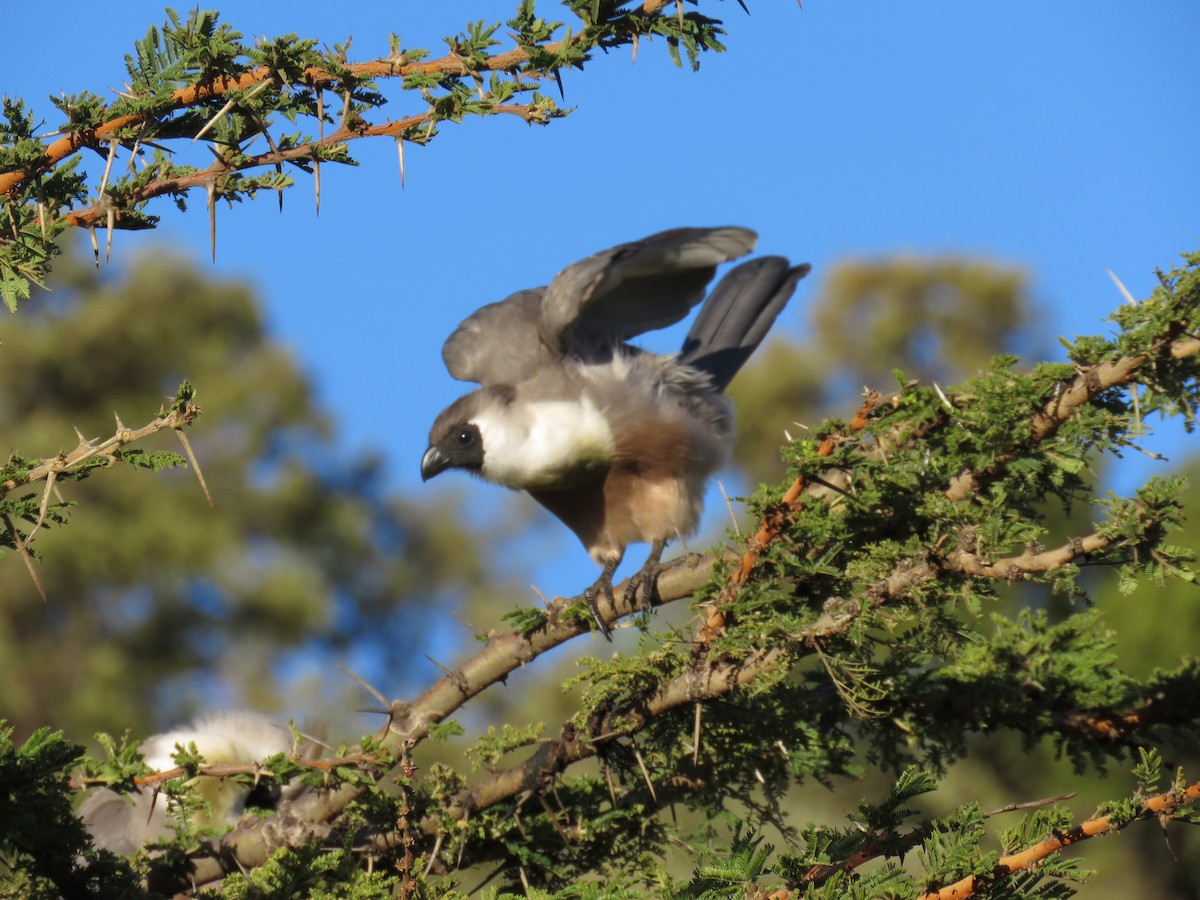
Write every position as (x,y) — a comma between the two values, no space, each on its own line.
(125,823)
(616,441)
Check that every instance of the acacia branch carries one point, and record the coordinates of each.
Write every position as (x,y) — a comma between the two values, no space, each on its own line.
(182,413)
(1101,376)
(1029,562)
(315,77)
(1080,390)
(105,207)
(705,679)
(1163,807)
(1122,727)
(89,450)
(890,844)
(198,94)
(85,455)
(250,845)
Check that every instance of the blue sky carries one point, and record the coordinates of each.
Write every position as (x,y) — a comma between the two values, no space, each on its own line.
(1060,137)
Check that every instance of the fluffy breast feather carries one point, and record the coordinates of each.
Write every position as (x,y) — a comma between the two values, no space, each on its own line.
(546,443)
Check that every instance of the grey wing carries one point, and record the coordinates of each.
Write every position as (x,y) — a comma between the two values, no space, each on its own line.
(618,293)
(499,343)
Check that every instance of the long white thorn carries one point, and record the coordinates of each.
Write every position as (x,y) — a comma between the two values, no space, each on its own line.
(1121,287)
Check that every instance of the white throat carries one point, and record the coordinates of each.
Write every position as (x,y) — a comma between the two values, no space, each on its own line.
(531,446)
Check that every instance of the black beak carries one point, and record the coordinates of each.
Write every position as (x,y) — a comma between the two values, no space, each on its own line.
(433,462)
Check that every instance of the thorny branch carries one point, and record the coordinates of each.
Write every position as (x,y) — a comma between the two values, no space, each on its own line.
(1029,562)
(1163,806)
(874,847)
(189,78)
(1101,376)
(88,453)
(194,95)
(410,722)
(101,210)
(315,77)
(88,450)
(705,680)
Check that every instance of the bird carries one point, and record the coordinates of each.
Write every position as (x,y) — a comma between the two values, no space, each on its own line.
(616,441)
(126,823)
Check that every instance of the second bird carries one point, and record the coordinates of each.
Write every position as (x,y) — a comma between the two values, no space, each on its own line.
(618,442)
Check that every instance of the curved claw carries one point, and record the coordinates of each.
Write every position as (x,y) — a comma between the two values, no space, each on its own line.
(603,585)
(646,578)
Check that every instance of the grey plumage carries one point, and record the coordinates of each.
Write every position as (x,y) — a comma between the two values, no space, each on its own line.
(642,286)
(737,316)
(607,298)
(615,441)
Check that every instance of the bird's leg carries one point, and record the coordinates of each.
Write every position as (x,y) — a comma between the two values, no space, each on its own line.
(647,579)
(604,586)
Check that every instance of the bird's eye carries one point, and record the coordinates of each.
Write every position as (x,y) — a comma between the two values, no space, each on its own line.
(466,437)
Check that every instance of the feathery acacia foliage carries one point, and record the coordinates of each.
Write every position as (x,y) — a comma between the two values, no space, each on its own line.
(197,78)
(858,626)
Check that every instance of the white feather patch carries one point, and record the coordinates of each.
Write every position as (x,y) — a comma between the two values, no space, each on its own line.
(538,445)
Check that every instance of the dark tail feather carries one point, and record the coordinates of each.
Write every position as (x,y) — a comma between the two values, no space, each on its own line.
(738,314)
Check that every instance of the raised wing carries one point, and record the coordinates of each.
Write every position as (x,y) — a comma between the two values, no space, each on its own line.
(499,343)
(609,296)
(637,287)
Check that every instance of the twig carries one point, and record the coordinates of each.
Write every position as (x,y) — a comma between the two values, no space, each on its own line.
(88,450)
(1029,804)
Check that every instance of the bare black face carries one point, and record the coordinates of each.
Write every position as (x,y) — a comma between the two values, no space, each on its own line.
(454,442)
(456,447)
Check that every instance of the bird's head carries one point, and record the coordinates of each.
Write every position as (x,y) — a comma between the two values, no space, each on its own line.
(460,448)
(455,441)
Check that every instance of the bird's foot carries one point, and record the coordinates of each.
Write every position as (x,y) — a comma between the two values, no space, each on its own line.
(646,578)
(603,586)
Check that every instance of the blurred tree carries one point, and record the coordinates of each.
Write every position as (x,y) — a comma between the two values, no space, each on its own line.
(159,604)
(944,319)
